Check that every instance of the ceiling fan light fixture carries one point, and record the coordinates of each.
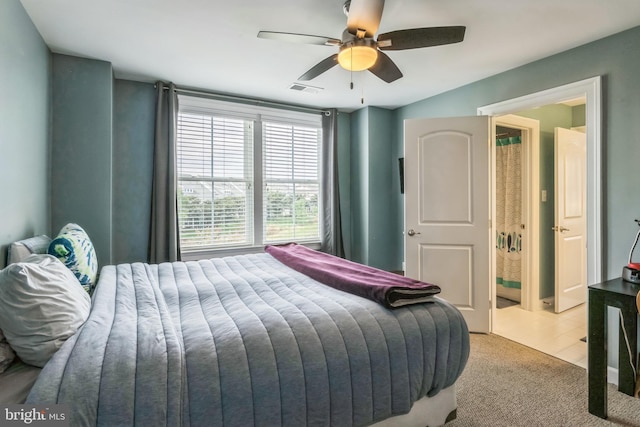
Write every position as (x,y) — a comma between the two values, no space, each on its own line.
(358,55)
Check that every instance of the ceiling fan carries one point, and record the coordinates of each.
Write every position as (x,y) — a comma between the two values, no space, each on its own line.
(358,50)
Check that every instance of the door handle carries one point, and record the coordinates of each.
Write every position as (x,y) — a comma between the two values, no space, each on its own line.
(411,232)
(559,228)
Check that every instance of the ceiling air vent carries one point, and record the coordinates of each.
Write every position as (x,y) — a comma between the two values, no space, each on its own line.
(305,88)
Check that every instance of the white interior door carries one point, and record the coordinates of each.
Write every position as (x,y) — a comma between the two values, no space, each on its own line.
(447,211)
(570,219)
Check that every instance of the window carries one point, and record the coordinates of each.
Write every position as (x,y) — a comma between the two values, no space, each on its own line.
(291,182)
(247,176)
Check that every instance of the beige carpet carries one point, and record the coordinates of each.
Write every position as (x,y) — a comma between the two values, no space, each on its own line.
(508,384)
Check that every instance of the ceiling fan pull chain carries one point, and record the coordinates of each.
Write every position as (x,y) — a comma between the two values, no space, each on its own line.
(351,71)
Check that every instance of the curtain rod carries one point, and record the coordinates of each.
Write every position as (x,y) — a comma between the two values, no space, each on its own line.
(248,100)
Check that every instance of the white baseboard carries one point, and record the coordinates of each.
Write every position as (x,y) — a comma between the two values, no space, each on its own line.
(513,294)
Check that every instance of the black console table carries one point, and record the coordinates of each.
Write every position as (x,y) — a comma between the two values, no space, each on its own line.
(620,294)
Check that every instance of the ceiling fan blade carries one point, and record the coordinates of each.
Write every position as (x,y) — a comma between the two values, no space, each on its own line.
(299,38)
(320,68)
(385,68)
(365,15)
(420,37)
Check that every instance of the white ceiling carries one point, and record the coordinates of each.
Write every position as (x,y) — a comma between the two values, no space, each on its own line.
(212,44)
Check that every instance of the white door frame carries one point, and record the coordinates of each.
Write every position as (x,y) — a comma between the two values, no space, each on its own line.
(591,90)
(530,128)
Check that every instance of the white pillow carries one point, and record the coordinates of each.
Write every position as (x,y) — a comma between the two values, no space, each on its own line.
(19,251)
(41,305)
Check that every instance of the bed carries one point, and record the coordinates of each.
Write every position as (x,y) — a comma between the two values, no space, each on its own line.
(247,340)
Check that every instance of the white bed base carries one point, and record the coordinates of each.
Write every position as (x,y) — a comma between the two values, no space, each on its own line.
(427,412)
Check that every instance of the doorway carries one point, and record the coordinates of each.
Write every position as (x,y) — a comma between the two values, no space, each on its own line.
(509,222)
(570,322)
(522,278)
(536,323)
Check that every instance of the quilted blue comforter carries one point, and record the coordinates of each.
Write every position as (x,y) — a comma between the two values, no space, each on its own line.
(243,341)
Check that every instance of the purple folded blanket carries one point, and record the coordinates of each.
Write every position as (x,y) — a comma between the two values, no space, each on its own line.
(388,289)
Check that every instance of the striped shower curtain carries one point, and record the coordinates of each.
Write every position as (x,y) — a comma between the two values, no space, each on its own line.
(508,211)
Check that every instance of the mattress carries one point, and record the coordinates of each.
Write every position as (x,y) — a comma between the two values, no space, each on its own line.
(243,341)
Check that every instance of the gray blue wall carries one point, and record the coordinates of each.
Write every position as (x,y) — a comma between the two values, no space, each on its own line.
(344,170)
(616,59)
(373,182)
(81,147)
(102,157)
(75,146)
(133,128)
(550,117)
(359,180)
(25,63)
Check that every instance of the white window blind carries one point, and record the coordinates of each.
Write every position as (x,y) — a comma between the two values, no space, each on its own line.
(215,179)
(227,171)
(291,178)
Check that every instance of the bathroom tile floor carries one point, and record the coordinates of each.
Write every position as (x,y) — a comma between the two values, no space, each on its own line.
(556,334)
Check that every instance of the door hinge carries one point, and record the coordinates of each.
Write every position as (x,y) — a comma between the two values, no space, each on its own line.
(489,223)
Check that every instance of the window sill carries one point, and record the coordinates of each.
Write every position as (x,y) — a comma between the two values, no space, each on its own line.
(206,253)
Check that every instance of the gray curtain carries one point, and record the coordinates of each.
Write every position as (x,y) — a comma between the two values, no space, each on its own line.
(330,223)
(164,244)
